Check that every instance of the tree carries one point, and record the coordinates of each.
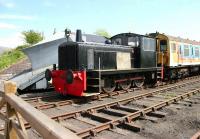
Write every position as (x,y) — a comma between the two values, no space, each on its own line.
(102,32)
(32,37)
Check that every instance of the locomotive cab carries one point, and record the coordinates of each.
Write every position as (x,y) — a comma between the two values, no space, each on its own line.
(144,48)
(143,56)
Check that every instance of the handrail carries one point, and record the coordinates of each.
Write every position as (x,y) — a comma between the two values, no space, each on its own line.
(16,108)
(196,136)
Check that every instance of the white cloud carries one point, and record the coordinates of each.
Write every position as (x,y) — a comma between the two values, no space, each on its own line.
(7,4)
(7,26)
(49,4)
(22,17)
(12,41)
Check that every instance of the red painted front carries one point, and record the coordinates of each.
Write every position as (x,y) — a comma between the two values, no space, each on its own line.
(76,88)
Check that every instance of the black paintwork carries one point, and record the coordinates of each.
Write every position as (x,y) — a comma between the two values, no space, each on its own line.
(74,56)
(129,71)
(68,56)
(78,56)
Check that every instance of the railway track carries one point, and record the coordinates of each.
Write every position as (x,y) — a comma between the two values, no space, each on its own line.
(88,119)
(55,100)
(52,99)
(125,116)
(123,112)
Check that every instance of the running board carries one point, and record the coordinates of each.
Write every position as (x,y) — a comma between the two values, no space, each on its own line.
(90,94)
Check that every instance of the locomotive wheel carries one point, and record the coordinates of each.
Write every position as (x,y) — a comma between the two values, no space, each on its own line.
(109,86)
(154,82)
(125,85)
(48,75)
(139,83)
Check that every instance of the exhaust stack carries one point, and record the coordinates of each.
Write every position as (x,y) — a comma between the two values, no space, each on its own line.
(78,35)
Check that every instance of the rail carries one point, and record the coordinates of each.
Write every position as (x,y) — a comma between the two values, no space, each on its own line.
(17,111)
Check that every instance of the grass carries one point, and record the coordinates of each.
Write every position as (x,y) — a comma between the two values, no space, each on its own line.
(10,57)
(171,95)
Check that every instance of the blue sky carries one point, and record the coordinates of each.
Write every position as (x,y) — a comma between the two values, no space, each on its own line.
(173,17)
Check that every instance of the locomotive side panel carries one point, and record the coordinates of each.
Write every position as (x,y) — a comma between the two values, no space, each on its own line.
(110,57)
(123,60)
(107,60)
(90,59)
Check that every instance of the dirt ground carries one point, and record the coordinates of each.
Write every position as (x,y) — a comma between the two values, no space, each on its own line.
(181,122)
(15,69)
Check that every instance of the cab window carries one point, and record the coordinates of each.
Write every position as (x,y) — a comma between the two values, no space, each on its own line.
(133,41)
(117,41)
(163,45)
(149,44)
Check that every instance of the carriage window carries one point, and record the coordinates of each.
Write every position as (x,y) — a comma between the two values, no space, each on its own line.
(133,41)
(149,44)
(196,52)
(163,45)
(192,53)
(186,50)
(118,41)
(173,47)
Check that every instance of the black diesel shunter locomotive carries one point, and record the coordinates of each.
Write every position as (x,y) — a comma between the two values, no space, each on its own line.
(87,68)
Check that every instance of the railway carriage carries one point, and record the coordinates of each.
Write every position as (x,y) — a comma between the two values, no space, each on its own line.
(178,57)
(86,69)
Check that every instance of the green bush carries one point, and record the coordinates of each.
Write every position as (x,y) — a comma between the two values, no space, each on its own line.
(32,37)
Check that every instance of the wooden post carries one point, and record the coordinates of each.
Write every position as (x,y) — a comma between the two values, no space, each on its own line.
(10,133)
(21,123)
(10,88)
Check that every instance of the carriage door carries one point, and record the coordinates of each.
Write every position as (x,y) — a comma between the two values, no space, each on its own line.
(174,58)
(163,54)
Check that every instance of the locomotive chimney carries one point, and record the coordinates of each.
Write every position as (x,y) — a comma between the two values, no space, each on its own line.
(78,35)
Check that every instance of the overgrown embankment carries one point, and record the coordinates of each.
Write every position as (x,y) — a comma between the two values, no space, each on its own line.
(12,56)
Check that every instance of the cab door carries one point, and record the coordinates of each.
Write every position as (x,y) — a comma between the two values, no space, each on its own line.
(162,54)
